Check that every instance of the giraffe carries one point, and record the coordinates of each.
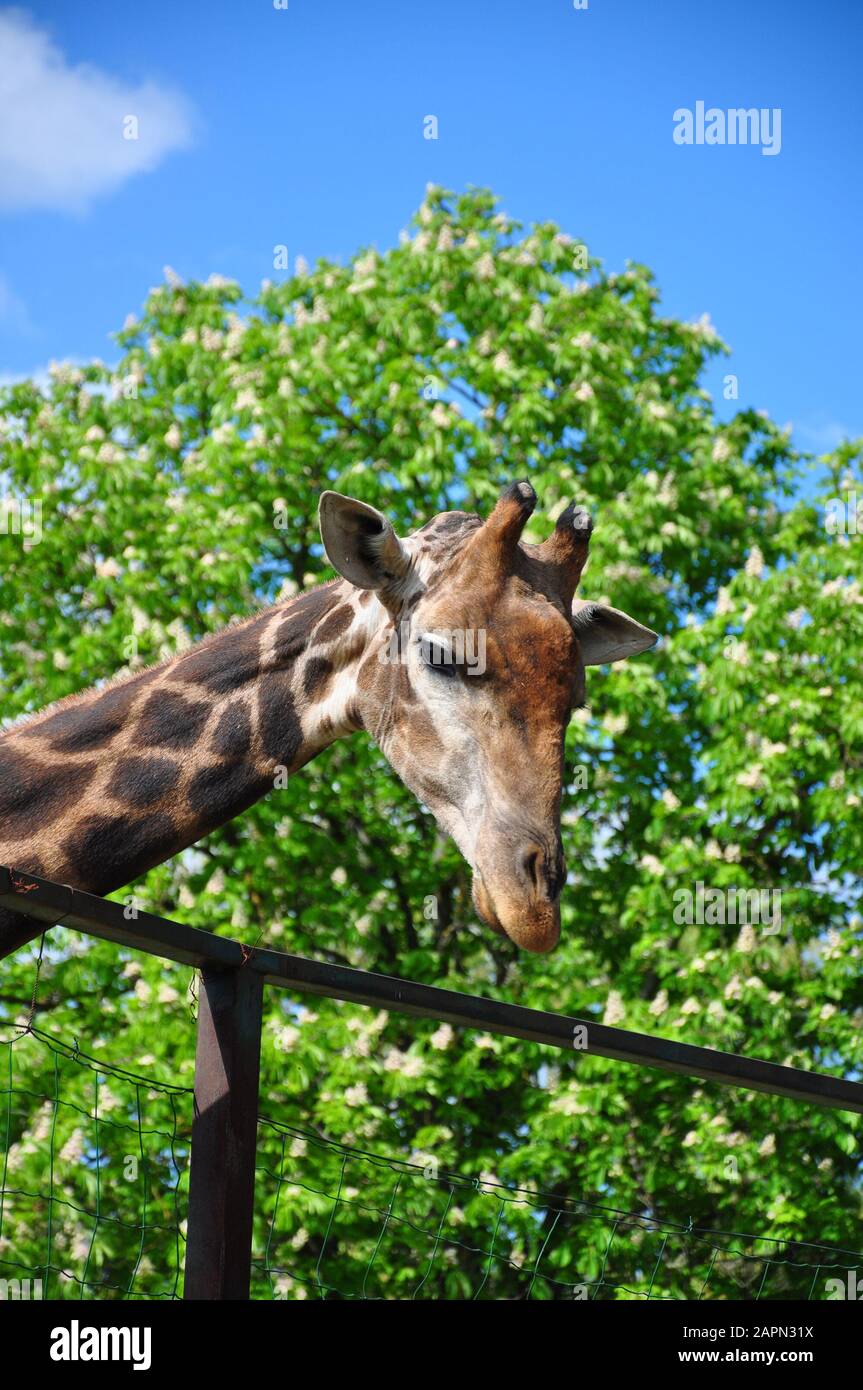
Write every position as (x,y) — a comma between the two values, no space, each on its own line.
(459,649)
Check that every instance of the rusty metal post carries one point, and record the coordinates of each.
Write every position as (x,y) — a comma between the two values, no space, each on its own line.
(224,1132)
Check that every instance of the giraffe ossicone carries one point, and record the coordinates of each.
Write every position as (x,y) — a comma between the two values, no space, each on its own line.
(459,649)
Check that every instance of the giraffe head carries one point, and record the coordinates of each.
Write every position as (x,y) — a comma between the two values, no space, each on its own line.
(473,663)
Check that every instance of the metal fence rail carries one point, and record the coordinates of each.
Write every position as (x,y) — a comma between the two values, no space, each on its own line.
(221,1196)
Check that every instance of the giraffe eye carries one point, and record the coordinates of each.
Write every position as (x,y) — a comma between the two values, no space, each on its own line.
(437,656)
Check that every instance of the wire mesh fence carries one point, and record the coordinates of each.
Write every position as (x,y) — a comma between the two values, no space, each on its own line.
(376,1227)
(93,1201)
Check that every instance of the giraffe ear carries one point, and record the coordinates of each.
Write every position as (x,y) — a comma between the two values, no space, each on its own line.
(361,544)
(607,634)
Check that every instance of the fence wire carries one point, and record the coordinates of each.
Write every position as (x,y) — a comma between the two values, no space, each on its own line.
(93,1198)
(345,1223)
(90,1199)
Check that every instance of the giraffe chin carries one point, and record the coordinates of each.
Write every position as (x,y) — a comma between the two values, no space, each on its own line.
(532,926)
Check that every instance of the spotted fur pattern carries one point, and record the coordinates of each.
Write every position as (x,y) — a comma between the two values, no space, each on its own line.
(102,786)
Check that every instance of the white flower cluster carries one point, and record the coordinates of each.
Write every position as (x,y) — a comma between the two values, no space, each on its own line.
(754,566)
(614,1009)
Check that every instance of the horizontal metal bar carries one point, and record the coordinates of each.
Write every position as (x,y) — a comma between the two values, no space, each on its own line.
(55,903)
(52,903)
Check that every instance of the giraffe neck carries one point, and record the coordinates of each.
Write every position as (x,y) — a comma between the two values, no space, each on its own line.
(100,788)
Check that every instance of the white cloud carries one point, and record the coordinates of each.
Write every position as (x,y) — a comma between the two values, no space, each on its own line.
(62,127)
(14,314)
(823,434)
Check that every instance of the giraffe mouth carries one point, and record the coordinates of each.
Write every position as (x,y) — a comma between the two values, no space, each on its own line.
(533,926)
(484,905)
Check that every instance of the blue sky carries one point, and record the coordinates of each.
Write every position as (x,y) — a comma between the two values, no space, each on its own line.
(304,126)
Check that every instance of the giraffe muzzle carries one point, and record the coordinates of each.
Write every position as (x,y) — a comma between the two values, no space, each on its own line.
(528,916)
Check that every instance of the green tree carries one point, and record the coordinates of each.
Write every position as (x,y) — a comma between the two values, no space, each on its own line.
(178,490)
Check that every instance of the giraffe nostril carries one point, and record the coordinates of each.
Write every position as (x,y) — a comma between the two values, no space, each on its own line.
(544,873)
(530,866)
